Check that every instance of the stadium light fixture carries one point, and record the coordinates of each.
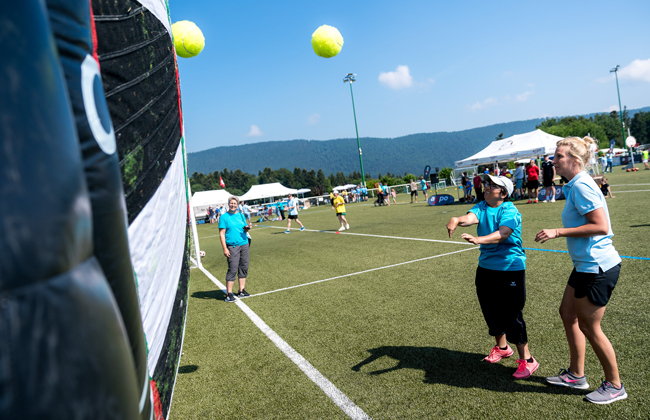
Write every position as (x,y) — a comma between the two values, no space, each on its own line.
(620,108)
(350,78)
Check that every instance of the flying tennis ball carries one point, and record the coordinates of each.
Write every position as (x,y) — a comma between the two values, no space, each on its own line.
(326,41)
(188,39)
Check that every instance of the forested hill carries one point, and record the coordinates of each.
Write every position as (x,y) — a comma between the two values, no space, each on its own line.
(380,155)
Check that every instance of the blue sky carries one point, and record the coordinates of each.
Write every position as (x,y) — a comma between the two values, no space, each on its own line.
(422,66)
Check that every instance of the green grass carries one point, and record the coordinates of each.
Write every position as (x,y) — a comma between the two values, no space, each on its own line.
(406,341)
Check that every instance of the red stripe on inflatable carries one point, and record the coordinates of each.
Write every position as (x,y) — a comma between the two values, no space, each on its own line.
(178,87)
(94,34)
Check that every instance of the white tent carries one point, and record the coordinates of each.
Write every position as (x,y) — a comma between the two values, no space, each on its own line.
(527,145)
(344,187)
(202,199)
(267,191)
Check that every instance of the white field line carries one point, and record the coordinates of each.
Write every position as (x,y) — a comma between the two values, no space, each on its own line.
(364,271)
(339,398)
(379,236)
(619,191)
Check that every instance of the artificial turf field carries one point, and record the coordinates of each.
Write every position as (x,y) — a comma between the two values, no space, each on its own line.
(397,328)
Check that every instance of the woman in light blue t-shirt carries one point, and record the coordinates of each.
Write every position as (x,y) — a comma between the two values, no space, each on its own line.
(596,269)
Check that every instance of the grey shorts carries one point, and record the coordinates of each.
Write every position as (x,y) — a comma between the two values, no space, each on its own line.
(238,262)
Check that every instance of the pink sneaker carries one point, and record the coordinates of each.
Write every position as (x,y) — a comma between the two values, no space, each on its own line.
(525,368)
(497,354)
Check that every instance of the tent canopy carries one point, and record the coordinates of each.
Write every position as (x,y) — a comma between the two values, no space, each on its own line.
(210,198)
(303,191)
(267,191)
(527,145)
(344,187)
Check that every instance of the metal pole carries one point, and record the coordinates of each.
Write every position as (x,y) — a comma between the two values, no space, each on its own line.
(615,70)
(363,176)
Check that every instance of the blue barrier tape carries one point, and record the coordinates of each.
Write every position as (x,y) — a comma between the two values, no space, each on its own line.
(566,252)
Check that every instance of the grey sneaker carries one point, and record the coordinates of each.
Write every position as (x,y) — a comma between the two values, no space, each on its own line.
(606,394)
(230,297)
(566,378)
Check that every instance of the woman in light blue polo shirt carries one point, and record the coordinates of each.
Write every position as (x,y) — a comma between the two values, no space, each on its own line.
(596,269)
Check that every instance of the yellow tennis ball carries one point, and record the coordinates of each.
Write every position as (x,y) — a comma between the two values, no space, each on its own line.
(188,39)
(326,41)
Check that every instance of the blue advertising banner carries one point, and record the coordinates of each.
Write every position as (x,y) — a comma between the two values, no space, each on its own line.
(440,200)
(427,169)
(559,193)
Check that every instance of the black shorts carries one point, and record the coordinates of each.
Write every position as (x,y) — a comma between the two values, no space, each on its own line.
(502,296)
(549,183)
(597,287)
(293,217)
(532,185)
(414,193)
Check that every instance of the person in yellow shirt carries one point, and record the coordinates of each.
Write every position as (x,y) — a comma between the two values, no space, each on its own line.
(339,207)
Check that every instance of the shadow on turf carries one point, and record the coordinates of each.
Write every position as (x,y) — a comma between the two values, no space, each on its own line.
(640,225)
(188,369)
(212,294)
(460,369)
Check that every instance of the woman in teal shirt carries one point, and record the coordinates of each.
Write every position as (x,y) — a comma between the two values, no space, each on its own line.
(232,232)
(596,269)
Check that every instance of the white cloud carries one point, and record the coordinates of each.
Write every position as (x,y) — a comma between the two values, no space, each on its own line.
(612,108)
(636,70)
(254,131)
(524,96)
(398,79)
(313,118)
(480,105)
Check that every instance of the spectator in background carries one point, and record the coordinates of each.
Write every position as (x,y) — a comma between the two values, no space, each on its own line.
(414,190)
(423,183)
(478,187)
(464,180)
(519,181)
(394,195)
(533,181)
(292,206)
(386,189)
(211,214)
(605,189)
(610,160)
(246,211)
(281,209)
(645,159)
(548,178)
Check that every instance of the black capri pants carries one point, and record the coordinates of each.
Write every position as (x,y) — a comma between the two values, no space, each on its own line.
(502,296)
(238,261)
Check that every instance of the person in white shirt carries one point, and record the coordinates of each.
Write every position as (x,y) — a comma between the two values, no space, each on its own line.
(292,206)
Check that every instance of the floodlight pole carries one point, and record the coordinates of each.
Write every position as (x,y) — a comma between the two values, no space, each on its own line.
(615,71)
(350,78)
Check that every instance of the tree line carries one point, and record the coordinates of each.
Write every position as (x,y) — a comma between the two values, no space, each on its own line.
(238,182)
(602,127)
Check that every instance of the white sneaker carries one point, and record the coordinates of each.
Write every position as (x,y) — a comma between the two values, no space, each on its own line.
(552,200)
(347,226)
(342,229)
(546,201)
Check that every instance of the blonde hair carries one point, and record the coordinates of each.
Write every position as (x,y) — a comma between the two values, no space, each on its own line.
(579,149)
(232,197)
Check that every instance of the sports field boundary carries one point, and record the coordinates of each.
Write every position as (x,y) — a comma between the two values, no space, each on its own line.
(338,397)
